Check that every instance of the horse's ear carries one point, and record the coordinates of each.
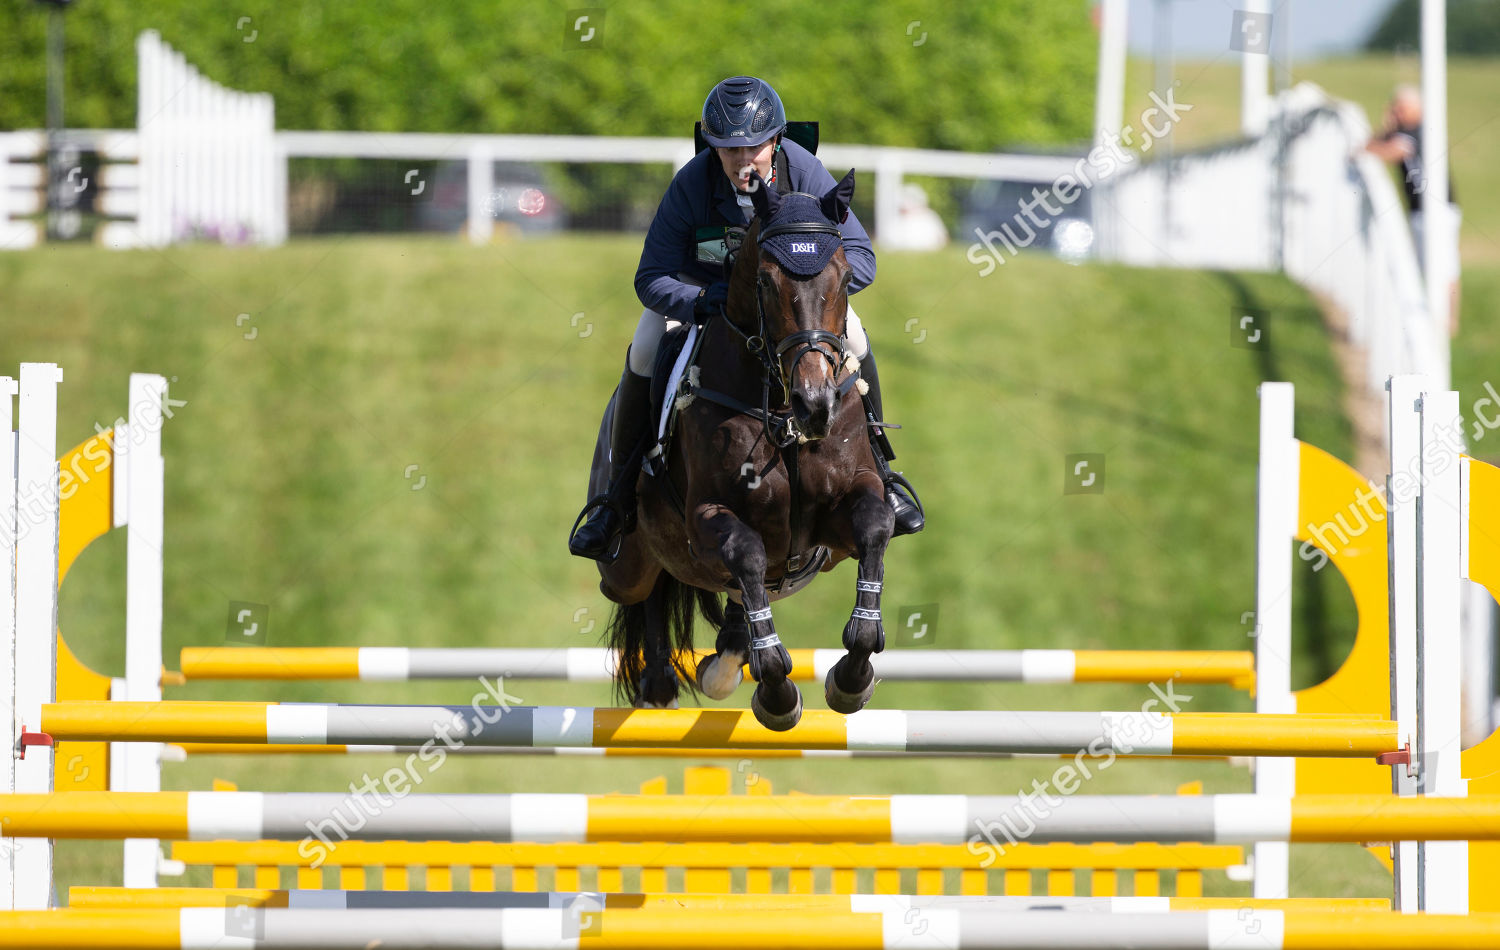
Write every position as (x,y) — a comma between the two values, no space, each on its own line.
(836,202)
(764,199)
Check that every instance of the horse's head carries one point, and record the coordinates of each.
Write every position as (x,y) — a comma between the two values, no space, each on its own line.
(797,281)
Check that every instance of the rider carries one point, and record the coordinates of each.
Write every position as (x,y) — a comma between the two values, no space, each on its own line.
(682,276)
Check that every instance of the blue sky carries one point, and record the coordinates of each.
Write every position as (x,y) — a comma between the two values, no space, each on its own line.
(1201,28)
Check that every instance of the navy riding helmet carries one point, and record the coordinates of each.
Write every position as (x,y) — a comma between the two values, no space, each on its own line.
(742,111)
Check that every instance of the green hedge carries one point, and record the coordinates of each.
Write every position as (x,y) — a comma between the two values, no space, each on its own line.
(986,75)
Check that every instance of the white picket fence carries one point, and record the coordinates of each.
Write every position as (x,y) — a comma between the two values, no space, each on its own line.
(1306,199)
(202,162)
(208,157)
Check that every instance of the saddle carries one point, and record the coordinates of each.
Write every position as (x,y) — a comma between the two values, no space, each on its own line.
(665,373)
(676,363)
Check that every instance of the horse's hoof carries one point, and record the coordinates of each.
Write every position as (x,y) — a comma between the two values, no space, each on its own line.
(670,704)
(842,702)
(656,691)
(777,722)
(721,674)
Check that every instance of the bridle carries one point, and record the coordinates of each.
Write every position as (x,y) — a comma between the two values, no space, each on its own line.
(804,341)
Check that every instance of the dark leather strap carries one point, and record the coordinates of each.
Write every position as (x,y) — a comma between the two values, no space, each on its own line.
(793,559)
(801,227)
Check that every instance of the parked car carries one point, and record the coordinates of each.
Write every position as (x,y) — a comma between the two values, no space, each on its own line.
(992,203)
(519,196)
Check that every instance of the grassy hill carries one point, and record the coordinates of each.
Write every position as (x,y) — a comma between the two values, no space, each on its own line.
(291,479)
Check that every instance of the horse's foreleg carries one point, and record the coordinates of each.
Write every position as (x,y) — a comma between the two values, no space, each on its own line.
(657,688)
(721,674)
(724,537)
(848,686)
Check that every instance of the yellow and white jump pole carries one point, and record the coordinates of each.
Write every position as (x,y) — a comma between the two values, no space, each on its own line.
(976,820)
(1085,734)
(596,665)
(871,923)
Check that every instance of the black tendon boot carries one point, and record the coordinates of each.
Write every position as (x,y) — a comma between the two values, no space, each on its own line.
(905,504)
(613,513)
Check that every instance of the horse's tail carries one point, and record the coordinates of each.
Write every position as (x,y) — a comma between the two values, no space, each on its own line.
(711,606)
(626,634)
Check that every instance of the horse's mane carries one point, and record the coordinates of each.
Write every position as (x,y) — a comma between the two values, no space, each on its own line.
(742,277)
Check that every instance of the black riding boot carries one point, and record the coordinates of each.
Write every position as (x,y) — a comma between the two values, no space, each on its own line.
(898,491)
(614,511)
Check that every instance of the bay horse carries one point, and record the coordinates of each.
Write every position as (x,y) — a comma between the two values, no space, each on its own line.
(770,474)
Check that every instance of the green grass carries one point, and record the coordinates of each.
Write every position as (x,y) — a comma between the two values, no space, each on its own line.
(287,465)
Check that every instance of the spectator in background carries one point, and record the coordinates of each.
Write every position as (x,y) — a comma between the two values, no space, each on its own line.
(918,227)
(1400,140)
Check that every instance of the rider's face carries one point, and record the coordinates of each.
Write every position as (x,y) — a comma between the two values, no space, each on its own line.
(737,162)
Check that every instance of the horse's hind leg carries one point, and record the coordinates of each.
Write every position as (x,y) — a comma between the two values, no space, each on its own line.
(721,674)
(657,688)
(848,686)
(777,703)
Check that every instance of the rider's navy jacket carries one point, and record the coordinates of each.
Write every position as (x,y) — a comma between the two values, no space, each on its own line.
(701,196)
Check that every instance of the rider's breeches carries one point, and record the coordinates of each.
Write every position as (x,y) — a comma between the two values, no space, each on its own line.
(649,331)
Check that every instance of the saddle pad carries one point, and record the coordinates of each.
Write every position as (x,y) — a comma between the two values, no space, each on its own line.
(674,379)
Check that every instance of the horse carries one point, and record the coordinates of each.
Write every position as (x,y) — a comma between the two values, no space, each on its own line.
(770,473)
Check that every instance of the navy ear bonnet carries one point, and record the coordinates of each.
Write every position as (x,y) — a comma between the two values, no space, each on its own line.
(799,237)
(798,229)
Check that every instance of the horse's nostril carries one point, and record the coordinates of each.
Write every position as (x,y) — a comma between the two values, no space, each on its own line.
(813,411)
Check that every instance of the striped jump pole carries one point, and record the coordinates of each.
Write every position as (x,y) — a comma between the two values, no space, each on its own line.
(979,928)
(596,665)
(179,897)
(986,731)
(895,819)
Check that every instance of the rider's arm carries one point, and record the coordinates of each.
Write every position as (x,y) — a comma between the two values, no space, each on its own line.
(665,255)
(1392,147)
(859,252)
